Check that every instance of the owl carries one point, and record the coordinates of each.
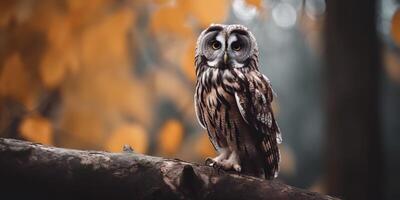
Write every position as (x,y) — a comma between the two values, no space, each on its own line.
(233,102)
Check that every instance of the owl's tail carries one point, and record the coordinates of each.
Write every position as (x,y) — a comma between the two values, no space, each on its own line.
(271,156)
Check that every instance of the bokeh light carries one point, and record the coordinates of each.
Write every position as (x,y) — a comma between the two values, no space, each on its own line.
(284,15)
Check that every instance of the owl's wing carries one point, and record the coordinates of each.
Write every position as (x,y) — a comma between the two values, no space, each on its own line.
(199,112)
(254,104)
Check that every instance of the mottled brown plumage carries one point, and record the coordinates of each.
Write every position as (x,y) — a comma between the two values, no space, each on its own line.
(233,101)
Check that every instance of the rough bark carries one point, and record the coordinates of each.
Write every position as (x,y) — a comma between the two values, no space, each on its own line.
(354,149)
(30,170)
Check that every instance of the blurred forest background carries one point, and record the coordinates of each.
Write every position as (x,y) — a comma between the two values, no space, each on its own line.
(100,74)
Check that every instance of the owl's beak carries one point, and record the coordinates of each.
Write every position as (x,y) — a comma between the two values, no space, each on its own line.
(225,58)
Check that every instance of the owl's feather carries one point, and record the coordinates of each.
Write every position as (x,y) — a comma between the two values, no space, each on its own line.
(255,107)
(199,113)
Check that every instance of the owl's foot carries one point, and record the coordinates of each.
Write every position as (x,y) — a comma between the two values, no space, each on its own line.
(237,167)
(224,162)
(217,161)
(232,163)
(209,162)
(216,165)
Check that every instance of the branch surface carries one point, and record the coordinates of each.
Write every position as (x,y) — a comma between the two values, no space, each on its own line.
(34,170)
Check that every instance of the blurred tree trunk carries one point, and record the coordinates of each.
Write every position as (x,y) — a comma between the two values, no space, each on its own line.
(354,160)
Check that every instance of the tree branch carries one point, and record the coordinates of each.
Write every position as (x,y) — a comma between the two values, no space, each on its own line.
(33,170)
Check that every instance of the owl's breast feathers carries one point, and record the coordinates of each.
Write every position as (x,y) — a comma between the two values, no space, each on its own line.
(234,105)
(216,107)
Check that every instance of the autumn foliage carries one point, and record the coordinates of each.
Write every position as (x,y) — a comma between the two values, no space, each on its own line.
(78,73)
(100,74)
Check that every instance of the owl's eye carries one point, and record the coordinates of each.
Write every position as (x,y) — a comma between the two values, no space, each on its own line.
(236,46)
(216,45)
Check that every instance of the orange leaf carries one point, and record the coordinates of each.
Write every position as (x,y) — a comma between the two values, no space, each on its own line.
(209,11)
(395,30)
(52,69)
(17,82)
(170,19)
(105,44)
(131,134)
(187,62)
(161,2)
(37,129)
(82,125)
(204,147)
(170,137)
(256,3)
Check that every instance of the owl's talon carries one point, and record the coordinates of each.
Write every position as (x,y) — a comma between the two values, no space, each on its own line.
(237,167)
(209,162)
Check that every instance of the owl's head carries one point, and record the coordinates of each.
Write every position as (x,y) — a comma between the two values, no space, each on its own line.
(226,46)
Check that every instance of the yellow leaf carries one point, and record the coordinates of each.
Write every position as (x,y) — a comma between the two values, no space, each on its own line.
(131,134)
(170,137)
(37,129)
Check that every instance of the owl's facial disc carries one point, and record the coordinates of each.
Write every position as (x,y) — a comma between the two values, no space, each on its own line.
(216,51)
(224,48)
(234,46)
(239,48)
